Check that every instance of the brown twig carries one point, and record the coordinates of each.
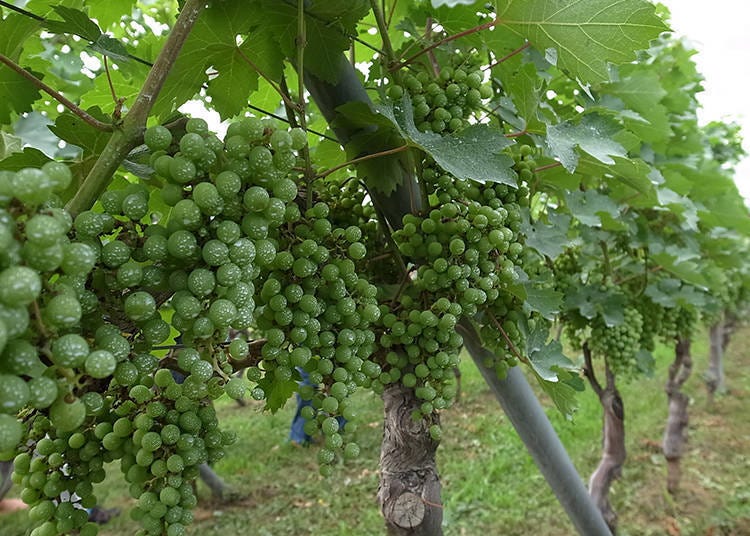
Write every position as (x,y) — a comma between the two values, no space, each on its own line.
(481,27)
(588,370)
(362,159)
(547,166)
(507,56)
(85,116)
(251,63)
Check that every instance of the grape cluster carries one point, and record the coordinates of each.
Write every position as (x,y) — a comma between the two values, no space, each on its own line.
(620,343)
(467,248)
(446,102)
(678,323)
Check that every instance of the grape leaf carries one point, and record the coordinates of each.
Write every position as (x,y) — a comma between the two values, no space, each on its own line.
(556,373)
(588,206)
(230,89)
(473,153)
(545,301)
(29,157)
(592,134)
(110,47)
(586,34)
(452,3)
(522,84)
(74,22)
(16,94)
(9,144)
(277,392)
(641,91)
(548,239)
(329,27)
(14,30)
(74,130)
(108,12)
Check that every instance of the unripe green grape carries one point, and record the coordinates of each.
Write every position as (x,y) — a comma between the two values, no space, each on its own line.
(100,364)
(182,170)
(157,138)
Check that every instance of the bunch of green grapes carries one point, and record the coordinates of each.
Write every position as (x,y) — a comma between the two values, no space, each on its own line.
(618,344)
(678,323)
(315,311)
(446,102)
(653,318)
(467,248)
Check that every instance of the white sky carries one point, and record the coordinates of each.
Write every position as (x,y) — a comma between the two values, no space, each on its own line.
(720,32)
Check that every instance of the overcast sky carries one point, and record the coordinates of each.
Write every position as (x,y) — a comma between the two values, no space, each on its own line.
(720,31)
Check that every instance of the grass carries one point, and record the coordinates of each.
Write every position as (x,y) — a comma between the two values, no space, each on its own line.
(490,484)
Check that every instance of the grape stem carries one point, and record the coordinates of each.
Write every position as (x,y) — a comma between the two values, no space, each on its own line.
(511,346)
(284,96)
(362,159)
(85,116)
(475,29)
(588,370)
(125,138)
(508,56)
(547,166)
(384,35)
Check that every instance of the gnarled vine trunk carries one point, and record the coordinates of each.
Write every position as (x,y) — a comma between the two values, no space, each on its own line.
(409,491)
(675,432)
(613,440)
(714,376)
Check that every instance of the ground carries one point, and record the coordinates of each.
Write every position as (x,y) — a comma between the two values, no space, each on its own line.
(490,484)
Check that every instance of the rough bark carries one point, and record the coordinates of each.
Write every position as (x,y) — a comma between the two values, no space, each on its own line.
(409,491)
(6,469)
(730,326)
(613,444)
(714,376)
(675,433)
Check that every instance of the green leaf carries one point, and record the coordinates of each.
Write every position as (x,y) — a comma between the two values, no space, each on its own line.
(641,91)
(29,157)
(211,40)
(16,94)
(474,153)
(14,30)
(522,83)
(452,3)
(557,374)
(592,134)
(72,129)
(108,12)
(549,239)
(632,174)
(110,47)
(546,301)
(74,22)
(329,27)
(587,35)
(230,89)
(9,144)
(587,207)
(277,392)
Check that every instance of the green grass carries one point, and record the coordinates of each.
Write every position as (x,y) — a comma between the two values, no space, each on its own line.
(490,484)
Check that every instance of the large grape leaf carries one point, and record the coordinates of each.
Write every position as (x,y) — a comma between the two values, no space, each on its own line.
(587,35)
(16,94)
(522,83)
(593,134)
(14,30)
(551,238)
(641,91)
(329,26)
(108,12)
(589,206)
(474,153)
